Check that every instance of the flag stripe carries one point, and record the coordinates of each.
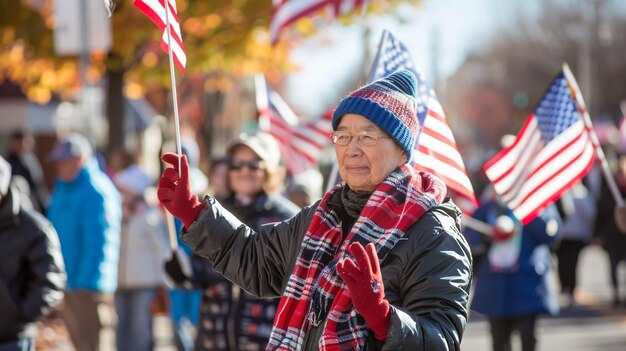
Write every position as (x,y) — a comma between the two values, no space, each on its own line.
(441,150)
(437,136)
(292,150)
(574,172)
(286,12)
(449,173)
(155,11)
(438,123)
(301,143)
(550,161)
(508,158)
(289,11)
(302,138)
(438,142)
(509,182)
(541,162)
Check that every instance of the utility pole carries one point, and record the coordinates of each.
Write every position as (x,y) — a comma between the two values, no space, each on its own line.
(84,66)
(592,99)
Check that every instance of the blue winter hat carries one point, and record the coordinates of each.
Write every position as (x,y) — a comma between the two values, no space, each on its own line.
(388,102)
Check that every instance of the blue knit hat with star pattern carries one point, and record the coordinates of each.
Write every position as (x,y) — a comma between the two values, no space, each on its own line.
(388,102)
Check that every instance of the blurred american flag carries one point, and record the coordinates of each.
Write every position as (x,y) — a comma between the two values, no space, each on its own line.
(552,151)
(301,143)
(285,12)
(155,10)
(436,148)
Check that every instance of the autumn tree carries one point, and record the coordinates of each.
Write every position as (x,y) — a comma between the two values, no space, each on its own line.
(230,37)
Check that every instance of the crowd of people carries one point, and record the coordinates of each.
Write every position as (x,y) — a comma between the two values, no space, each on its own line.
(257,261)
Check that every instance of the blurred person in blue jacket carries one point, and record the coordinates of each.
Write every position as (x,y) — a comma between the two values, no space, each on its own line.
(32,276)
(511,286)
(86,211)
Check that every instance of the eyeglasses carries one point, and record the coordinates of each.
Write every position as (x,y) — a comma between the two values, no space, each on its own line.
(363,138)
(253,165)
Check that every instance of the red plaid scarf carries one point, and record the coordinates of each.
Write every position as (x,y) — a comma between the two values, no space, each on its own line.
(315,293)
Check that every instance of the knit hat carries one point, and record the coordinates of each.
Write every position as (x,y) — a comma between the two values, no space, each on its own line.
(388,102)
(263,144)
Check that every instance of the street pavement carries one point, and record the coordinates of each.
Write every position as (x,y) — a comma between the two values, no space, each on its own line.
(591,325)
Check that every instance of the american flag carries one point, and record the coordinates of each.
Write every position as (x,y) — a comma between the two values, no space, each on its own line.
(436,148)
(285,12)
(301,143)
(155,10)
(552,151)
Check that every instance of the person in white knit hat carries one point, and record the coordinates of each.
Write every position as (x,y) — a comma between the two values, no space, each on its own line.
(143,249)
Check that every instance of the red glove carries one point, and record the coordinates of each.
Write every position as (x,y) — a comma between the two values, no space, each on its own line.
(174,191)
(503,229)
(365,284)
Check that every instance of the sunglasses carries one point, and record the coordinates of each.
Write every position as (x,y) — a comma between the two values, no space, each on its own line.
(253,165)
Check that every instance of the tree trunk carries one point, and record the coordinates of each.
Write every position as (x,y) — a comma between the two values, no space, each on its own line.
(115,108)
(213,106)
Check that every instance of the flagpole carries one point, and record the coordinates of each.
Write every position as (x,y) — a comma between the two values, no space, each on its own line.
(372,72)
(606,171)
(477,225)
(170,219)
(173,80)
(262,100)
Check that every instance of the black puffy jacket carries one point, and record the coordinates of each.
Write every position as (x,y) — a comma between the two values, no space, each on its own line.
(32,274)
(426,275)
(231,319)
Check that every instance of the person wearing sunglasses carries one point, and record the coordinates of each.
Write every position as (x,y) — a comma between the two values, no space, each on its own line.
(379,263)
(230,318)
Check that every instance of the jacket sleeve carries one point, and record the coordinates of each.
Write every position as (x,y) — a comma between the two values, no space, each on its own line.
(259,262)
(430,309)
(47,282)
(93,229)
(546,228)
(204,276)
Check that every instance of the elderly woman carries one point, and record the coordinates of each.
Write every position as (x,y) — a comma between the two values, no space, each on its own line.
(378,263)
(230,318)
